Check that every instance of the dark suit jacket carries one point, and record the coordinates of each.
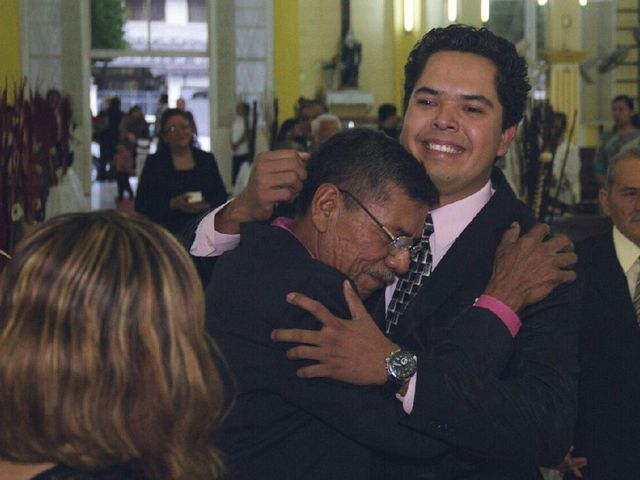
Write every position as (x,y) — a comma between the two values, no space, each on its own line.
(283,427)
(506,426)
(608,426)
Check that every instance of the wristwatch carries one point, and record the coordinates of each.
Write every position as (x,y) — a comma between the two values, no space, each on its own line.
(401,366)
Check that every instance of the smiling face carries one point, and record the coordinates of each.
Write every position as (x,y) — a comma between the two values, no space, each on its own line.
(621,201)
(453,123)
(359,248)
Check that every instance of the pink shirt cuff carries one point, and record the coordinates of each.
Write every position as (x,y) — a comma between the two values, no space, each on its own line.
(502,311)
(407,400)
(208,242)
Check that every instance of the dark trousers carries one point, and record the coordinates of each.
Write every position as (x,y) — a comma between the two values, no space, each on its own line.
(123,185)
(106,155)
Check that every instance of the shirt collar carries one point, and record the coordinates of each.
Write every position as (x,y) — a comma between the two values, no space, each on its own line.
(449,221)
(285,223)
(626,251)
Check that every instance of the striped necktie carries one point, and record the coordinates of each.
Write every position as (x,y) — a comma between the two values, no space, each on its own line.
(410,282)
(636,295)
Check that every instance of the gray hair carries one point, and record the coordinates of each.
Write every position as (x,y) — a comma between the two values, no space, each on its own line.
(315,123)
(633,152)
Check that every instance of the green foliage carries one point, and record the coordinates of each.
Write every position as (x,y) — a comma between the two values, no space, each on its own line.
(107,24)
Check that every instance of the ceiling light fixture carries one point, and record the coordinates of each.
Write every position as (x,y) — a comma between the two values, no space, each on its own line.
(452,10)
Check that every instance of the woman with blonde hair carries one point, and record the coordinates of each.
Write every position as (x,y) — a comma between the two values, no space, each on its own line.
(105,368)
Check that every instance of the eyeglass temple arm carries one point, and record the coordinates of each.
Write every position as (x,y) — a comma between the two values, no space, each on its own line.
(377,222)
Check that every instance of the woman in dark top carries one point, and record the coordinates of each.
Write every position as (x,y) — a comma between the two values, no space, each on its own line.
(106,371)
(179,182)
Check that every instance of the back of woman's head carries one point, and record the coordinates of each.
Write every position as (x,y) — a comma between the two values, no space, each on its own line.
(103,355)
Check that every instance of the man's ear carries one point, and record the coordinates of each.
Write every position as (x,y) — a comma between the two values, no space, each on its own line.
(505,140)
(603,196)
(324,206)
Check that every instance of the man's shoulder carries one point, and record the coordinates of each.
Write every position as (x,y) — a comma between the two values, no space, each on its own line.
(501,210)
(249,285)
(274,253)
(594,245)
(506,204)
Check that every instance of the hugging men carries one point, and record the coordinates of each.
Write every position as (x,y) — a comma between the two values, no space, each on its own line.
(465,92)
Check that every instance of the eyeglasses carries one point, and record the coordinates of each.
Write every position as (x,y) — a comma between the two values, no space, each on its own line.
(180,127)
(397,243)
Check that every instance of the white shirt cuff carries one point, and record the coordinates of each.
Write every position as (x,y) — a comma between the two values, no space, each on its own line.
(409,397)
(209,242)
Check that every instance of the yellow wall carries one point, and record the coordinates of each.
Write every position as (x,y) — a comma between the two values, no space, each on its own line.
(10,41)
(319,41)
(403,43)
(372,24)
(307,33)
(469,12)
(286,57)
(624,36)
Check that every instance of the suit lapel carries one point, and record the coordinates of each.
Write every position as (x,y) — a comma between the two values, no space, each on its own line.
(464,271)
(610,281)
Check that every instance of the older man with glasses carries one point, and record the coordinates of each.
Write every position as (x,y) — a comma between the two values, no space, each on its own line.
(362,206)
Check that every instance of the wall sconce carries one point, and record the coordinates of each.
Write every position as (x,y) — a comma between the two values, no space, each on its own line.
(408,15)
(484,11)
(542,3)
(452,10)
(583,3)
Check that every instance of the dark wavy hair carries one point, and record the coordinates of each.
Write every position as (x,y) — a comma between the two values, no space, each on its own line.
(366,163)
(512,81)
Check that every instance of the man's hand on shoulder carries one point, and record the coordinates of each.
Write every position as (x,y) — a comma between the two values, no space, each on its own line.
(352,351)
(526,269)
(277,177)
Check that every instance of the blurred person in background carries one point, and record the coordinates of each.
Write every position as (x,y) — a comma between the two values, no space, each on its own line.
(623,136)
(566,171)
(179,182)
(133,127)
(122,164)
(307,110)
(107,132)
(290,136)
(388,120)
(182,105)
(323,127)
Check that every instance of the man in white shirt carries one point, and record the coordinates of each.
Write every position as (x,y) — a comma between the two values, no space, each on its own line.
(465,92)
(607,434)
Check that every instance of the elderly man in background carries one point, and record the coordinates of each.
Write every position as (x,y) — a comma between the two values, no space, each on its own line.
(607,434)
(323,127)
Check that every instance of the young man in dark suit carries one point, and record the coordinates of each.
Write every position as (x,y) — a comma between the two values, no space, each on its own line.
(607,431)
(465,92)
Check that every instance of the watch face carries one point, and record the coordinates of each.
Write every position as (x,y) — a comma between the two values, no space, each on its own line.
(403,365)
